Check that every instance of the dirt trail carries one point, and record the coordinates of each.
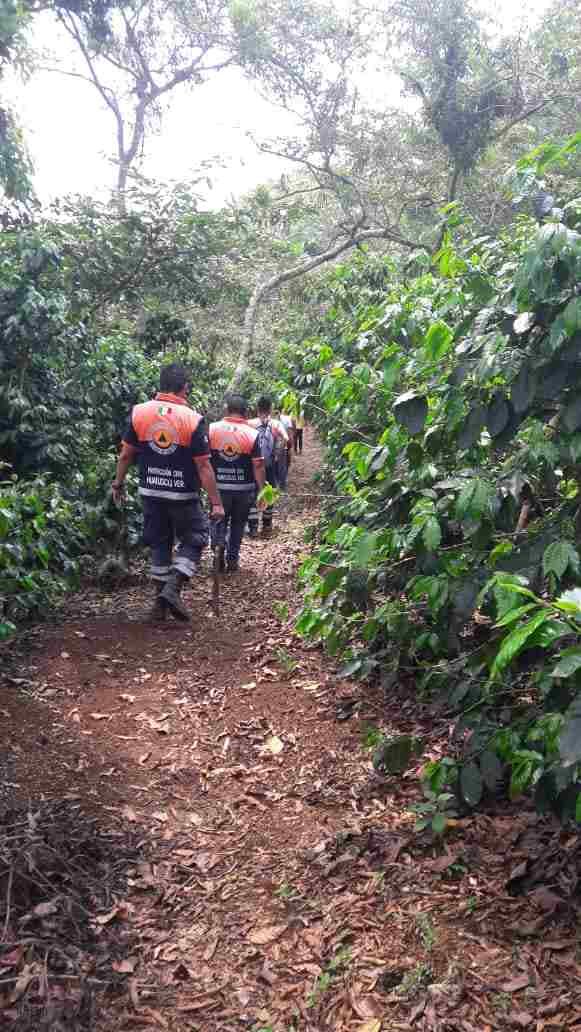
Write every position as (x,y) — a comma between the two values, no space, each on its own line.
(279,884)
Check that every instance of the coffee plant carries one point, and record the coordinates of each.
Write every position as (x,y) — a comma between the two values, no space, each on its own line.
(448,393)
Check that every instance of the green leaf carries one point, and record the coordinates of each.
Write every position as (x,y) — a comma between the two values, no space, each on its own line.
(437,773)
(411,411)
(473,500)
(269,495)
(332,581)
(578,809)
(514,643)
(364,549)
(434,438)
(432,534)
(414,454)
(515,614)
(7,629)
(499,550)
(525,766)
(523,390)
(569,662)
(572,316)
(491,769)
(472,428)
(390,371)
(471,784)
(439,823)
(558,556)
(497,414)
(438,341)
(308,621)
(548,633)
(377,459)
(570,737)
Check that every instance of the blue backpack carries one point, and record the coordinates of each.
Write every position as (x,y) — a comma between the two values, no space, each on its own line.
(266,443)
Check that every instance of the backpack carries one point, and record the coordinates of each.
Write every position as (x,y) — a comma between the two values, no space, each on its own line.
(266,443)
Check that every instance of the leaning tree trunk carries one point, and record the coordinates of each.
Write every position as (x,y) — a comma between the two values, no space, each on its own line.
(264,287)
(249,333)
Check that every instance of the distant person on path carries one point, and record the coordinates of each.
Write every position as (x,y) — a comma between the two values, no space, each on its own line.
(299,429)
(285,454)
(168,440)
(270,433)
(239,468)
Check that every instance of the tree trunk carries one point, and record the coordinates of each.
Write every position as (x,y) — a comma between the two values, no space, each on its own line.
(264,287)
(451,196)
(121,188)
(249,333)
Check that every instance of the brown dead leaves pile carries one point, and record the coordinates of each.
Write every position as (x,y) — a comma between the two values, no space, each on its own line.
(64,922)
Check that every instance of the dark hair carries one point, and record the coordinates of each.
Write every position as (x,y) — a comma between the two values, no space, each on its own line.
(236,404)
(264,403)
(173,378)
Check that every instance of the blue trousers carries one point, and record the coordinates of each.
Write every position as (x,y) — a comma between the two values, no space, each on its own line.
(164,524)
(230,530)
(282,469)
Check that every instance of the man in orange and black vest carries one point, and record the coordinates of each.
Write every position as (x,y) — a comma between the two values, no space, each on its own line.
(239,468)
(168,441)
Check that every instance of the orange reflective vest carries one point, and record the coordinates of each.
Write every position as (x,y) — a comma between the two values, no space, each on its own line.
(235,450)
(168,436)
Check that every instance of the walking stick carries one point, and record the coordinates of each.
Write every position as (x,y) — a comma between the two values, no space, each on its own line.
(218,559)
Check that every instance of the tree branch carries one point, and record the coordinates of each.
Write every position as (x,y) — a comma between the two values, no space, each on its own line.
(523,117)
(263,287)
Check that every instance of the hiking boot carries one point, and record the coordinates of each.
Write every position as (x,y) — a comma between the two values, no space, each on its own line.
(158,611)
(253,531)
(233,566)
(266,529)
(171,596)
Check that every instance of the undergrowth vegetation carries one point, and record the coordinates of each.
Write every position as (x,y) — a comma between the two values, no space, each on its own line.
(92,301)
(447,391)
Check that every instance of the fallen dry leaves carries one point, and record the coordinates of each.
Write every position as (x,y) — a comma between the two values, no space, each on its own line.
(246,869)
(262,936)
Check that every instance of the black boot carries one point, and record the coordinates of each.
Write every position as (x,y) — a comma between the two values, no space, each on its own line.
(171,595)
(158,611)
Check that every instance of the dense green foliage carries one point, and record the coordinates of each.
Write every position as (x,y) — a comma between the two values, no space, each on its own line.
(444,377)
(92,301)
(447,392)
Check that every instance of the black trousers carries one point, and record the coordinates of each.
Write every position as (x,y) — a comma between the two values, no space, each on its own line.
(298,440)
(164,523)
(230,530)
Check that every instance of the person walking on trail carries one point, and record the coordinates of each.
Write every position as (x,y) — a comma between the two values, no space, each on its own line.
(284,451)
(299,430)
(239,468)
(270,432)
(168,440)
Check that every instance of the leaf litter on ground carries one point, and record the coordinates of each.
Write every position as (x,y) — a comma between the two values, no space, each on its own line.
(247,881)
